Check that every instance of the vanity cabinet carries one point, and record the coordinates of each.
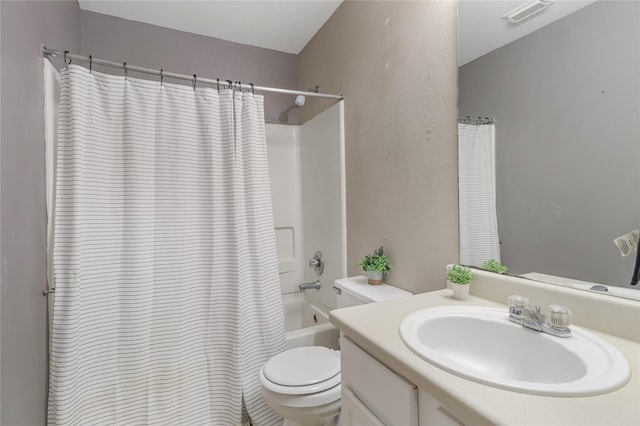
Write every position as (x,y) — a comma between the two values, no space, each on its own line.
(373,395)
(431,412)
(355,412)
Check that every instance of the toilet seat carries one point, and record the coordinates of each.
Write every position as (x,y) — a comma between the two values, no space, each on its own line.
(300,371)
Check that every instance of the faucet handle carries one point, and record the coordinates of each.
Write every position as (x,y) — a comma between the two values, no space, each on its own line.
(317,263)
(559,316)
(518,302)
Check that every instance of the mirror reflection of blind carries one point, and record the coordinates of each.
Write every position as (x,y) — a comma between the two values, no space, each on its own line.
(477,194)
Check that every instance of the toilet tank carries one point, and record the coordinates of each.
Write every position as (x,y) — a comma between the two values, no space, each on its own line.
(355,291)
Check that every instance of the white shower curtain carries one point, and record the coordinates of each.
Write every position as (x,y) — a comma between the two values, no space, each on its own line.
(167,294)
(477,194)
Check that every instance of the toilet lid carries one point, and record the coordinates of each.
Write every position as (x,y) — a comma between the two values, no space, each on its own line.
(303,366)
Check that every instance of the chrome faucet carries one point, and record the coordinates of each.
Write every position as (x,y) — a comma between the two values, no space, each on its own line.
(307,286)
(556,324)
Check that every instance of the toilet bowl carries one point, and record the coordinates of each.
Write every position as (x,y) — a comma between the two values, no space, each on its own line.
(303,385)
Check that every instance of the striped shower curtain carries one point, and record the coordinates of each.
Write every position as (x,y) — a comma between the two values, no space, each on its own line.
(167,296)
(477,194)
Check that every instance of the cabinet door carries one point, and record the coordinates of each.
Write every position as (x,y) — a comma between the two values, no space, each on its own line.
(355,413)
(390,397)
(431,412)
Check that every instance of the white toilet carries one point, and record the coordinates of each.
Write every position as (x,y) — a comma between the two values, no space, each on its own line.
(303,384)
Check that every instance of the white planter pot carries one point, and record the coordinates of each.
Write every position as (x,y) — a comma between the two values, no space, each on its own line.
(375,277)
(460,291)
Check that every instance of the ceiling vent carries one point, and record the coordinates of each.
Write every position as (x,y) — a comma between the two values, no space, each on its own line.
(526,11)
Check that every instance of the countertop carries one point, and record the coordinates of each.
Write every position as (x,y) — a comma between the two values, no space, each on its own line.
(374,327)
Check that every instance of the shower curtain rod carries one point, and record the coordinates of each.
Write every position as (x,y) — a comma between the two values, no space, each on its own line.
(476,120)
(193,78)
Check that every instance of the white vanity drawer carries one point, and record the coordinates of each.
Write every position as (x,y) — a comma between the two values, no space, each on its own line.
(433,413)
(355,413)
(390,397)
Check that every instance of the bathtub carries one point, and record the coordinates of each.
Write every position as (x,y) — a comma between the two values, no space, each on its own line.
(306,324)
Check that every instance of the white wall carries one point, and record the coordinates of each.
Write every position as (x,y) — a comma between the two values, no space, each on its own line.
(306,166)
(324,220)
(283,146)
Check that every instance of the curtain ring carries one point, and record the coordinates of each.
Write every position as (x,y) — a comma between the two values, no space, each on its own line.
(161,76)
(90,64)
(218,84)
(253,92)
(193,82)
(240,86)
(230,83)
(126,72)
(66,64)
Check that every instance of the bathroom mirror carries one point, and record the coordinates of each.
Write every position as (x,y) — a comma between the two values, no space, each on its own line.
(564,89)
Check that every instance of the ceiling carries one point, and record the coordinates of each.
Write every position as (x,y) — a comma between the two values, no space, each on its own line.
(481,28)
(286,26)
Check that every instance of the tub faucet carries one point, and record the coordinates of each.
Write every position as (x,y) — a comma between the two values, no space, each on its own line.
(557,324)
(307,286)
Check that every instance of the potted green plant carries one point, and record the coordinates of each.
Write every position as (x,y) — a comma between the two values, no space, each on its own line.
(459,279)
(494,266)
(375,265)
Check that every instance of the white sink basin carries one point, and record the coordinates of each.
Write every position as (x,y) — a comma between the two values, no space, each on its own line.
(482,345)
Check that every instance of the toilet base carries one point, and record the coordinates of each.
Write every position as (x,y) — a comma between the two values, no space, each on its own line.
(334,421)
(300,411)
(316,409)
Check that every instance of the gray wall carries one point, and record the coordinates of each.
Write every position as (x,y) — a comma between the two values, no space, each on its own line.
(567,105)
(117,39)
(395,62)
(25,27)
